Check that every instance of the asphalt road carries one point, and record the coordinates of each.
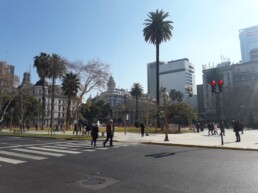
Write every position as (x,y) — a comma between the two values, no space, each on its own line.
(57,166)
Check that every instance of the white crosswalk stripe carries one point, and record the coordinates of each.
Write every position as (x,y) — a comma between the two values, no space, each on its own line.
(58,147)
(39,152)
(22,155)
(55,150)
(11,161)
(45,150)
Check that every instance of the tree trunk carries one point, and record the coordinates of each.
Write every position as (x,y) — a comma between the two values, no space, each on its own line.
(157,83)
(52,104)
(43,103)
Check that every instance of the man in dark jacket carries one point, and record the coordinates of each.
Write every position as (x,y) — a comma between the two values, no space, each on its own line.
(236,126)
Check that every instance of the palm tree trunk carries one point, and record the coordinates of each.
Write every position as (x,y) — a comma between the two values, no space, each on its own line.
(68,114)
(52,104)
(157,73)
(43,103)
(157,83)
(136,98)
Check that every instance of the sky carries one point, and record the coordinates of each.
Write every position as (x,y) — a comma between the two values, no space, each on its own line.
(112,32)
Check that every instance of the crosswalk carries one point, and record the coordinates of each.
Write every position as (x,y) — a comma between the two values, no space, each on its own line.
(24,153)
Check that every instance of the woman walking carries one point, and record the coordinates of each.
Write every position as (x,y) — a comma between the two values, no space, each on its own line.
(94,134)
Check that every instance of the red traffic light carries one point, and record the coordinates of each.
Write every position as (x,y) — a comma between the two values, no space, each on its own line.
(220,82)
(212,83)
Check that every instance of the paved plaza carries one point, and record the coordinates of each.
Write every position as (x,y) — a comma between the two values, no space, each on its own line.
(249,140)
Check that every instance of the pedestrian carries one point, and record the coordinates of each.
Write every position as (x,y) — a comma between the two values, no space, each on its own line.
(198,127)
(110,133)
(236,126)
(215,128)
(36,126)
(28,127)
(57,127)
(142,128)
(75,129)
(209,128)
(94,134)
(222,128)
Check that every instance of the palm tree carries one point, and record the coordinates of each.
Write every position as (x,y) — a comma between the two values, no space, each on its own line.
(56,70)
(136,91)
(42,63)
(70,87)
(156,31)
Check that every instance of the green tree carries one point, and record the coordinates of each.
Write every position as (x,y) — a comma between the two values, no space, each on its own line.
(157,30)
(97,111)
(136,92)
(57,70)
(42,64)
(70,87)
(180,113)
(176,95)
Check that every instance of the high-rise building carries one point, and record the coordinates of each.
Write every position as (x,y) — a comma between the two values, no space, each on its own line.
(238,75)
(248,41)
(175,74)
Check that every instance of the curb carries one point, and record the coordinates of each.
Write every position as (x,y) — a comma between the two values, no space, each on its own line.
(201,146)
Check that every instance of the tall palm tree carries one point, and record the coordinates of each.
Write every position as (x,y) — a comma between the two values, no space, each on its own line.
(136,91)
(70,87)
(42,63)
(156,31)
(57,70)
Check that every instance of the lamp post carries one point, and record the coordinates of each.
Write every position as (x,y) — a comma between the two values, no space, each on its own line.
(165,96)
(189,92)
(147,115)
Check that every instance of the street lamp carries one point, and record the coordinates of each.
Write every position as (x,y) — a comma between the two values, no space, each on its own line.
(189,92)
(165,96)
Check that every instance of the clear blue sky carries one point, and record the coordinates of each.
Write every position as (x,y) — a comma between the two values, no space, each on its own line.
(111,31)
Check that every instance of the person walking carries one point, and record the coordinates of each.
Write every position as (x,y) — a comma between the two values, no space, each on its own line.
(75,129)
(110,133)
(236,126)
(241,125)
(142,128)
(94,134)
(222,128)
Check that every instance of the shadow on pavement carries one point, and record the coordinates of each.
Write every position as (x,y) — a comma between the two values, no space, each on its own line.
(165,154)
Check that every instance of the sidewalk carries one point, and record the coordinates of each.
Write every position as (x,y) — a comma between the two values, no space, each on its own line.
(249,140)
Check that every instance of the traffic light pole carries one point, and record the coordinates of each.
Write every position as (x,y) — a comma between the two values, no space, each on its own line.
(217,100)
(219,117)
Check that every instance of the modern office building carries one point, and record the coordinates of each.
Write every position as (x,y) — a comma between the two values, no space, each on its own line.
(248,41)
(234,75)
(175,74)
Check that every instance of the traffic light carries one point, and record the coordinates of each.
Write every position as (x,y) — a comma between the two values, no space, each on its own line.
(213,86)
(220,83)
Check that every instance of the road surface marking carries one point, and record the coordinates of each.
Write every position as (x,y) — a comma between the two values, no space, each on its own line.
(38,152)
(57,147)
(22,155)
(89,150)
(102,148)
(11,161)
(55,150)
